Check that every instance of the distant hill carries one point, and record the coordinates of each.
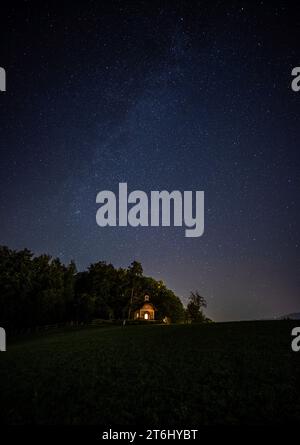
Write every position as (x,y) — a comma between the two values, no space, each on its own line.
(294,316)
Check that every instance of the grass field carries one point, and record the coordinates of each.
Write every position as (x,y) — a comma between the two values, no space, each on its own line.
(230,373)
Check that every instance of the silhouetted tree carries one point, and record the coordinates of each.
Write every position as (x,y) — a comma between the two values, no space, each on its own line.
(135,271)
(195,307)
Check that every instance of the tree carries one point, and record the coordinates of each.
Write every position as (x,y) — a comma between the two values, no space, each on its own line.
(195,308)
(135,272)
(34,290)
(135,269)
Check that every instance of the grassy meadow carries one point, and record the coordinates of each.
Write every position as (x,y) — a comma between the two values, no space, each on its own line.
(189,375)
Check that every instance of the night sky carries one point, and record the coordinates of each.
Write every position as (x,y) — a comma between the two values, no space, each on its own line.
(163,97)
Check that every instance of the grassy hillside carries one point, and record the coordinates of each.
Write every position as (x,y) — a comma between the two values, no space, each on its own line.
(156,375)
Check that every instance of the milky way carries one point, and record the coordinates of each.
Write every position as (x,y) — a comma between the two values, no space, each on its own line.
(163,98)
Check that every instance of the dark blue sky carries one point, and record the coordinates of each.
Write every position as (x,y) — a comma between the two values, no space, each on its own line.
(188,97)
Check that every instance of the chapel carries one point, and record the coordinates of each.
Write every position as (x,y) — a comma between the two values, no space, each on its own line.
(146,311)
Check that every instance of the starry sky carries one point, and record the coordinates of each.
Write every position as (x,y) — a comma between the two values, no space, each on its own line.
(163,96)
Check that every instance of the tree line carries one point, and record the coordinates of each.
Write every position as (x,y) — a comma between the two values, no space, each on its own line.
(41,290)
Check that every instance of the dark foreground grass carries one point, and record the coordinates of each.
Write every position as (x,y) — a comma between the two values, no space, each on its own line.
(229,373)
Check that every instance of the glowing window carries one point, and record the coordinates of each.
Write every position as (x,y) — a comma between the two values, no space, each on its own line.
(146,316)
